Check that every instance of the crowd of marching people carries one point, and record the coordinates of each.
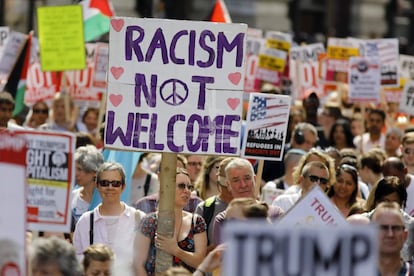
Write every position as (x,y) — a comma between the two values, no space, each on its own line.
(362,157)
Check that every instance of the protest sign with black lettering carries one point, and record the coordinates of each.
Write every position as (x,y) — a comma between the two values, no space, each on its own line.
(175,86)
(13,202)
(313,209)
(266,125)
(51,174)
(259,248)
(364,79)
(407,98)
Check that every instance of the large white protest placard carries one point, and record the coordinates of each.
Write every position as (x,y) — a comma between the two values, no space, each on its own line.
(13,202)
(364,79)
(4,35)
(313,209)
(11,51)
(304,68)
(175,86)
(266,126)
(387,51)
(407,98)
(266,250)
(51,174)
(407,67)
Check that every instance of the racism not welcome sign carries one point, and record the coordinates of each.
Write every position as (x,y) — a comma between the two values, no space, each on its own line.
(175,86)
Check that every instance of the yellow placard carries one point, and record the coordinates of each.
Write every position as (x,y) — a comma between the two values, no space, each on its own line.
(342,52)
(61,39)
(278,44)
(272,63)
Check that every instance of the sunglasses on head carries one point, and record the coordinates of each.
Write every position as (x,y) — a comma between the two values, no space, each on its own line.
(314,178)
(38,111)
(113,183)
(182,186)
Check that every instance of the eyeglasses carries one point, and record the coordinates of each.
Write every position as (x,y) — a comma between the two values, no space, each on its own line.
(38,111)
(182,186)
(315,178)
(393,228)
(193,164)
(409,151)
(113,183)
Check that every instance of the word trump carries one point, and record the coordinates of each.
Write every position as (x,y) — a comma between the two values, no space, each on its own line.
(300,251)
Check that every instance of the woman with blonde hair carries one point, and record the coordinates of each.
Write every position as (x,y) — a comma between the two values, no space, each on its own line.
(206,183)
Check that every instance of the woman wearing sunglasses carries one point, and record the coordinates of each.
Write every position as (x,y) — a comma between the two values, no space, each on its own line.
(188,246)
(112,222)
(344,192)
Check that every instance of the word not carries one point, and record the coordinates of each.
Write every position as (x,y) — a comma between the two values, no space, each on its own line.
(150,95)
(188,39)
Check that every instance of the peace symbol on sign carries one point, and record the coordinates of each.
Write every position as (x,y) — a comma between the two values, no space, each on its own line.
(174,92)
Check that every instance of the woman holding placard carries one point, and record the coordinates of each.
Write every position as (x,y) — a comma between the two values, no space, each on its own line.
(188,246)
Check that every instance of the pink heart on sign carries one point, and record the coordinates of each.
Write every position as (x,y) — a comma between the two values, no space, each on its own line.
(115,99)
(117,71)
(233,102)
(117,24)
(234,78)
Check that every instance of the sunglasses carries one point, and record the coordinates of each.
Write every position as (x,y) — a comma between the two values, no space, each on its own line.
(182,186)
(38,111)
(409,151)
(113,183)
(314,178)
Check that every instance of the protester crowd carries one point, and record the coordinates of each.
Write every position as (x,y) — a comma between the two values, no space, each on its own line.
(361,156)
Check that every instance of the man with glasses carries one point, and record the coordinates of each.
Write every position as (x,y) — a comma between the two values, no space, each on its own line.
(408,151)
(391,238)
(313,173)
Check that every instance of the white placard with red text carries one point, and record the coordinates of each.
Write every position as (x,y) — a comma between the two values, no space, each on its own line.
(50,176)
(13,204)
(313,209)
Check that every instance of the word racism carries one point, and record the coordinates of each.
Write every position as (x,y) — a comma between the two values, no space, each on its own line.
(288,252)
(183,50)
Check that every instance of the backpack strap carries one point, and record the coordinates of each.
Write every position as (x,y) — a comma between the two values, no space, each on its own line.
(147,184)
(91,228)
(208,209)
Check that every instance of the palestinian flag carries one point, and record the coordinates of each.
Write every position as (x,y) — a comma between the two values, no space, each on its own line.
(220,13)
(96,17)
